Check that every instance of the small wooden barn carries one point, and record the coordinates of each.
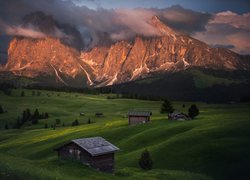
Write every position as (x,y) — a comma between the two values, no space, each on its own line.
(99,114)
(178,116)
(95,152)
(138,117)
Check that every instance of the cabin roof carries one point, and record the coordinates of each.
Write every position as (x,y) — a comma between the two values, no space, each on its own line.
(139,113)
(96,145)
(177,113)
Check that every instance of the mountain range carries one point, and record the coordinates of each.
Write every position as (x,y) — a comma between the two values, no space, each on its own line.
(62,61)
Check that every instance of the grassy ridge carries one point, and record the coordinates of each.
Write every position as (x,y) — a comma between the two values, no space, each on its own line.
(216,144)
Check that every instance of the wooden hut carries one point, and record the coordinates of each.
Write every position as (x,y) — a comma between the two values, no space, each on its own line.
(95,152)
(138,117)
(98,114)
(178,116)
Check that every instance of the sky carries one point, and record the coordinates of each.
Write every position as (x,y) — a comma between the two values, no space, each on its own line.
(212,6)
(219,23)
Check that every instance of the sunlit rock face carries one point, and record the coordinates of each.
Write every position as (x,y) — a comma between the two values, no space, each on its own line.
(120,62)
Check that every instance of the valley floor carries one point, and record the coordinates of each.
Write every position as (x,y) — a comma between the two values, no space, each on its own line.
(215,145)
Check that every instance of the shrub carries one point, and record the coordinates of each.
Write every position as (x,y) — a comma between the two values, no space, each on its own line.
(46,126)
(193,111)
(145,161)
(6,126)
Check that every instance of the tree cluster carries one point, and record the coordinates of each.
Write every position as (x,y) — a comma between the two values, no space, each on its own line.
(75,123)
(28,117)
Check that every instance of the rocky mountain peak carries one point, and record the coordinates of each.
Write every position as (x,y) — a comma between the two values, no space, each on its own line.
(162,28)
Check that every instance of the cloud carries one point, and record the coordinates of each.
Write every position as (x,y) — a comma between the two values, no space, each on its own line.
(117,24)
(29,31)
(228,28)
(185,20)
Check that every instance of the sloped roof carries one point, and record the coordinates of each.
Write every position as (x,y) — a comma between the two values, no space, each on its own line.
(139,113)
(96,145)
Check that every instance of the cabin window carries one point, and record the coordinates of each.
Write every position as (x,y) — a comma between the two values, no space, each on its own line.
(75,153)
(71,151)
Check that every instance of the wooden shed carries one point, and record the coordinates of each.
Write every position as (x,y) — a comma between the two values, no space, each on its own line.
(95,152)
(138,117)
(178,116)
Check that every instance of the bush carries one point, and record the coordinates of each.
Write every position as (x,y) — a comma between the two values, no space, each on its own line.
(46,126)
(167,107)
(193,111)
(145,161)
(6,126)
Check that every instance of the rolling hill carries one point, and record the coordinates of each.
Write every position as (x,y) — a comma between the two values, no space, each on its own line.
(213,146)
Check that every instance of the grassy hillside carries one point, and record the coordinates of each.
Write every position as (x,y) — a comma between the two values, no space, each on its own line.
(216,145)
(205,85)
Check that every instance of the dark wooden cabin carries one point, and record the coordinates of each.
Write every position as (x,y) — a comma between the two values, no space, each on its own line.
(138,117)
(98,114)
(95,152)
(178,116)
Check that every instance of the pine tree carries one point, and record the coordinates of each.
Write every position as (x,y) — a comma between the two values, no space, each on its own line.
(24,117)
(36,114)
(193,111)
(28,114)
(1,109)
(22,94)
(167,107)
(145,161)
(18,122)
(46,115)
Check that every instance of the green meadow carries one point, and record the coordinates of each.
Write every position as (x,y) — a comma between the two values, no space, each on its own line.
(215,145)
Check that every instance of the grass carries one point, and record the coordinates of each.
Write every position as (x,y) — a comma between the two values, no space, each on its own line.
(203,80)
(216,145)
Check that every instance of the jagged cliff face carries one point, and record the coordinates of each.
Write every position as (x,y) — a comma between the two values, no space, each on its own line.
(44,57)
(121,62)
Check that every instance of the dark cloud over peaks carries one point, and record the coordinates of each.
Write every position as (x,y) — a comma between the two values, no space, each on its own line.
(117,24)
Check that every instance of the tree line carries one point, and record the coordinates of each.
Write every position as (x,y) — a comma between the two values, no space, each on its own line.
(27,116)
